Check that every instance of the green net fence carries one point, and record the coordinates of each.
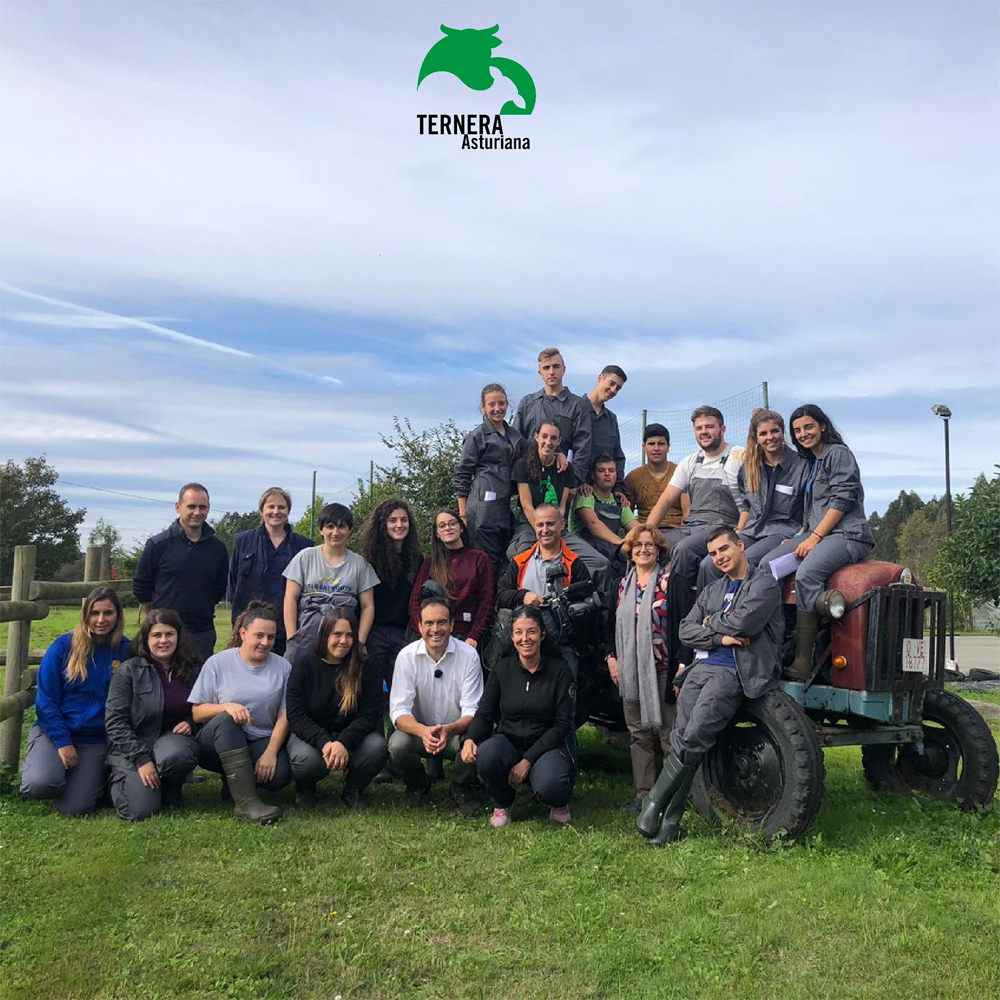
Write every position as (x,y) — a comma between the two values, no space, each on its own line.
(736,410)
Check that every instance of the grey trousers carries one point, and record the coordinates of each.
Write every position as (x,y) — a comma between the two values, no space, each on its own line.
(175,757)
(642,739)
(831,554)
(709,699)
(363,764)
(755,549)
(408,751)
(77,790)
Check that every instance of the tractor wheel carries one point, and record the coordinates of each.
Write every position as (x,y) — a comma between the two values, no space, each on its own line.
(766,770)
(959,762)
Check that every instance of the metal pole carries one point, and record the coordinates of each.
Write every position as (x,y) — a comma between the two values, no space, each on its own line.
(371,475)
(18,643)
(767,406)
(312,511)
(642,436)
(948,516)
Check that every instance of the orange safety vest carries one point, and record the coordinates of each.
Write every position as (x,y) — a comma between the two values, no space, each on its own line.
(568,558)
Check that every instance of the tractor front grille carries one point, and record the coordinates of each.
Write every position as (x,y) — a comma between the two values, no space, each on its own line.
(903,612)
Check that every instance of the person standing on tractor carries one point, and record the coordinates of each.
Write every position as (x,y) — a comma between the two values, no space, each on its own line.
(836,530)
(736,624)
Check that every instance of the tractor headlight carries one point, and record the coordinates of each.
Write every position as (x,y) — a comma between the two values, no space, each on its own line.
(831,604)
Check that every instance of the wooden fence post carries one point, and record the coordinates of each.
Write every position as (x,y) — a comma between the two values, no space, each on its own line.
(105,570)
(18,644)
(92,564)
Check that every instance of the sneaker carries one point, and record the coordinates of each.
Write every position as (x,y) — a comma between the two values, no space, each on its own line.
(384,777)
(500,817)
(560,815)
(468,803)
(632,807)
(305,797)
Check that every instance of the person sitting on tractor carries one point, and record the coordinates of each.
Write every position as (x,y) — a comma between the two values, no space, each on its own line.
(736,625)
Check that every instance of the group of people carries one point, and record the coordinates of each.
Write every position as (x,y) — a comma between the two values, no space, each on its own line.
(369,663)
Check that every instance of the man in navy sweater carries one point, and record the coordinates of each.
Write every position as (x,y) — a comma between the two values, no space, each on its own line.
(185,568)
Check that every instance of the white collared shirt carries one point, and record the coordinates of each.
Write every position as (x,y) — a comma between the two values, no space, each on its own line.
(434,700)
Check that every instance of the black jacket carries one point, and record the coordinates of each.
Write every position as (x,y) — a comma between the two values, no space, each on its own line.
(133,715)
(312,703)
(189,577)
(249,563)
(534,711)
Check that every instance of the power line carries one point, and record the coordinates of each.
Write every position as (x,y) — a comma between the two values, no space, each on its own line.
(101,489)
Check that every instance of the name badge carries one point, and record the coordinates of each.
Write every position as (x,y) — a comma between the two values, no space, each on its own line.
(489,495)
(466,616)
(782,488)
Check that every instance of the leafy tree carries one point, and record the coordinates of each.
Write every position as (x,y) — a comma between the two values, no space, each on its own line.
(969,558)
(105,533)
(886,528)
(34,513)
(421,475)
(303,523)
(921,538)
(230,523)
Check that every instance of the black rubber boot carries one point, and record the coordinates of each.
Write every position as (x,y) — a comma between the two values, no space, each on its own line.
(806,626)
(648,820)
(670,825)
(237,767)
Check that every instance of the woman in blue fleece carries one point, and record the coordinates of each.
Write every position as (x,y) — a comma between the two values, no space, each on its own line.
(67,746)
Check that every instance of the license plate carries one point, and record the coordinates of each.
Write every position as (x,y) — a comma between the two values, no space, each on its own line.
(915,656)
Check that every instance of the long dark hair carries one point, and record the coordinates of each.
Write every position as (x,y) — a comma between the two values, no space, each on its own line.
(185,662)
(83,643)
(390,563)
(532,460)
(440,556)
(829,433)
(255,611)
(349,677)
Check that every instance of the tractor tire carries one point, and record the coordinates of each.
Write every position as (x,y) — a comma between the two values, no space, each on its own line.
(959,762)
(766,771)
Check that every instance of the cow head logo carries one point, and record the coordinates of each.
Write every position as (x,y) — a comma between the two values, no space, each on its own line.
(468,54)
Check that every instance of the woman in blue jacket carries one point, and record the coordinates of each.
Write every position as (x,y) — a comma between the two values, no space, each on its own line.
(836,531)
(260,556)
(68,745)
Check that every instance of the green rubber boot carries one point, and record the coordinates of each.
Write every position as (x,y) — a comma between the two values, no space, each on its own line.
(670,826)
(648,820)
(806,626)
(237,766)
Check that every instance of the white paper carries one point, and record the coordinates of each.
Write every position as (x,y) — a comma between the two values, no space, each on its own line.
(784,565)
(782,488)
(466,616)
(489,495)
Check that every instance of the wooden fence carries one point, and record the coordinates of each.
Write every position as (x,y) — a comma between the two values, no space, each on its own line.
(29,601)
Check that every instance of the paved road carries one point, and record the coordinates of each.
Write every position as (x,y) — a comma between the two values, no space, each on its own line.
(976,651)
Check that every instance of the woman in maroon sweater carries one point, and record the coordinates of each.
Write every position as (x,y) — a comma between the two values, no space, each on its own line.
(463,573)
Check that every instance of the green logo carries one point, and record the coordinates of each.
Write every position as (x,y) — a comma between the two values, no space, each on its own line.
(467,53)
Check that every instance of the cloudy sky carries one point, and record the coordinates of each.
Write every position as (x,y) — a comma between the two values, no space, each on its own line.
(229,255)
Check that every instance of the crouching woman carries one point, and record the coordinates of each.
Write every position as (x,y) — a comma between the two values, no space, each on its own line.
(239,698)
(335,707)
(68,745)
(148,718)
(520,731)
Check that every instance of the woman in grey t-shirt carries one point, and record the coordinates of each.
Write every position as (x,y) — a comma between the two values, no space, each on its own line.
(240,699)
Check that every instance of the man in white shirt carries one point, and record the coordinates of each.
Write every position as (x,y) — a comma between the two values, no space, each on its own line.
(436,687)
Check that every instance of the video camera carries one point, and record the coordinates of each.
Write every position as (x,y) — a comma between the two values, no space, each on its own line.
(569,612)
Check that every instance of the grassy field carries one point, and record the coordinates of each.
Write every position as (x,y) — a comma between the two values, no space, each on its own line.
(885,898)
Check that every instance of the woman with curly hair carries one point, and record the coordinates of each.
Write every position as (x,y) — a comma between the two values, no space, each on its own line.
(148,718)
(68,744)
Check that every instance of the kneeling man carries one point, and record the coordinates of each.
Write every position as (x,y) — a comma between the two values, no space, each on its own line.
(436,687)
(736,626)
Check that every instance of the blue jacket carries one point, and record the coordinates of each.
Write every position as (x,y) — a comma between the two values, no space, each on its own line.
(71,712)
(249,565)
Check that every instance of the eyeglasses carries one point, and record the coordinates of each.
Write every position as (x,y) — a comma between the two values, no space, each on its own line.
(438,673)
(446,524)
(644,545)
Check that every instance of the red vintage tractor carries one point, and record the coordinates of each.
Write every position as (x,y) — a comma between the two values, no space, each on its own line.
(877,681)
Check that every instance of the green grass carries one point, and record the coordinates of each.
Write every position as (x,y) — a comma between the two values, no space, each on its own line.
(885,898)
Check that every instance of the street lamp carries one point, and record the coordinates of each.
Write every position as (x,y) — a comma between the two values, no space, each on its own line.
(944,412)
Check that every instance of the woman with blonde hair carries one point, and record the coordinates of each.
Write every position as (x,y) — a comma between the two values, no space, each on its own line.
(637,654)
(261,555)
(68,745)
